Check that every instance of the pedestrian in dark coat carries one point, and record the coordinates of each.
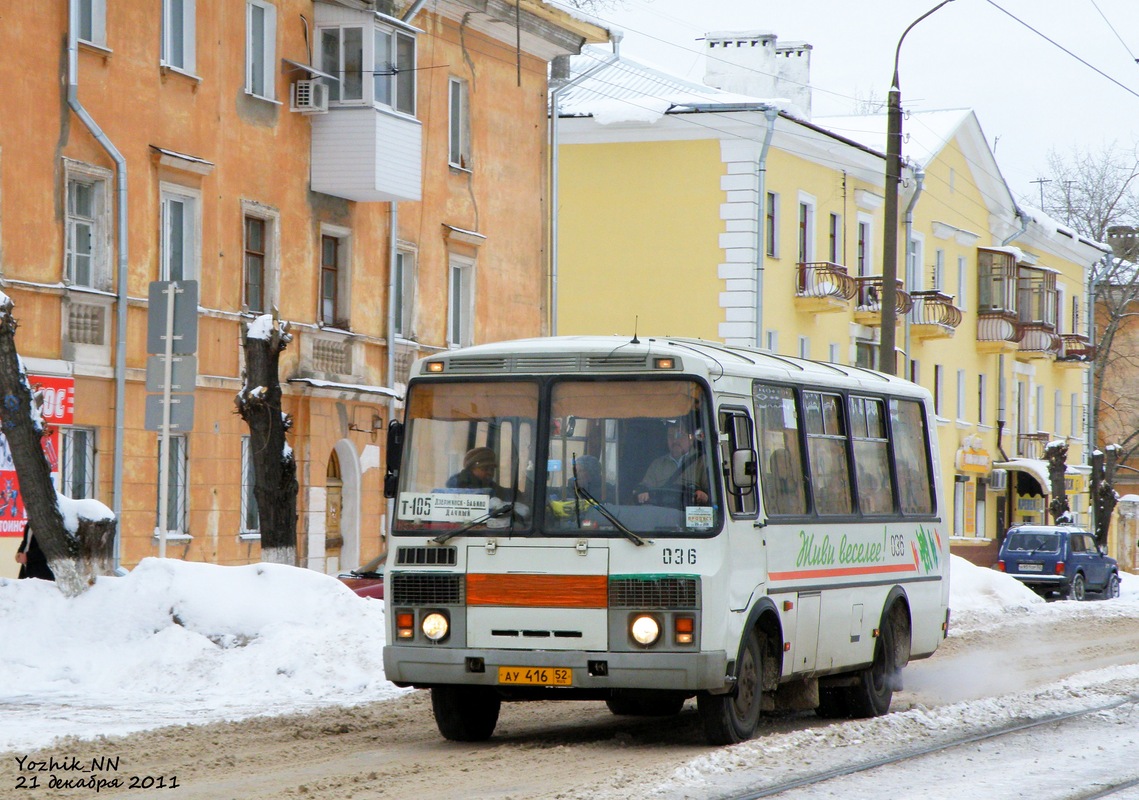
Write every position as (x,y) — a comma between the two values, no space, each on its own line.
(32,561)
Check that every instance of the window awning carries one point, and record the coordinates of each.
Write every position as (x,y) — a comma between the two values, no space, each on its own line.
(311,70)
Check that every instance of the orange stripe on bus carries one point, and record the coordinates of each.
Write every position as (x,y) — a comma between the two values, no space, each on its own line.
(541,591)
(839,572)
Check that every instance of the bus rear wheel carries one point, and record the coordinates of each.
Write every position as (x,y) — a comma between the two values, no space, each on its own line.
(732,718)
(872,695)
(465,713)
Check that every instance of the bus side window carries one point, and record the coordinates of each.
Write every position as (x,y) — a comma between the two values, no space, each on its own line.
(871,456)
(911,459)
(781,471)
(826,448)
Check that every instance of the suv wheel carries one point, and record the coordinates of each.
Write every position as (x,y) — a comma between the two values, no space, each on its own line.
(1112,588)
(1079,588)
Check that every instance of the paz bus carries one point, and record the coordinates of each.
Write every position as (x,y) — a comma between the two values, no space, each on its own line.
(641,522)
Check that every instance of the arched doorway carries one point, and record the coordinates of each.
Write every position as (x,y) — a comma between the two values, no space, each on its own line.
(333,515)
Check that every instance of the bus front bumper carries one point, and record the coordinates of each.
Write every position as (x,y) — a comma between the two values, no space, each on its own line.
(427,666)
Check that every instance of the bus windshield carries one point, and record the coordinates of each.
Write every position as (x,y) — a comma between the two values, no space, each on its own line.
(618,457)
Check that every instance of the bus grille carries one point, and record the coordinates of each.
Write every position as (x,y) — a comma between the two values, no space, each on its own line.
(426,556)
(426,589)
(665,592)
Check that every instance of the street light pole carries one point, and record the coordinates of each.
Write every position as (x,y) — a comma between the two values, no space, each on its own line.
(888,361)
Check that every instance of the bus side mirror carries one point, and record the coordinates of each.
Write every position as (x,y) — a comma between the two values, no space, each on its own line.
(743,468)
(394,457)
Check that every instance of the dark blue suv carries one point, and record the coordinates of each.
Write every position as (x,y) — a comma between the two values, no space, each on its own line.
(1058,559)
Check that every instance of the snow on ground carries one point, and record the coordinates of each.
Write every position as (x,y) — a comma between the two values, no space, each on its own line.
(176,642)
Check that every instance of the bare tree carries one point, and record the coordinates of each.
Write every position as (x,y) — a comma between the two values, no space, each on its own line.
(1056,454)
(274,464)
(76,557)
(1096,193)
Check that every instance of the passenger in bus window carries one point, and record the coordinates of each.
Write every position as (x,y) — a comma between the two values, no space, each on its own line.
(678,475)
(479,467)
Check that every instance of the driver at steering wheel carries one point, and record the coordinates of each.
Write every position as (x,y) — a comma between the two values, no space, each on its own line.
(681,471)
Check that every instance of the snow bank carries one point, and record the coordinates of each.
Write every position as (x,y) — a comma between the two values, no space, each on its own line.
(973,588)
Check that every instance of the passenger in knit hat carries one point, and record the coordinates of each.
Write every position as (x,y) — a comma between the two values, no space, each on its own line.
(479,466)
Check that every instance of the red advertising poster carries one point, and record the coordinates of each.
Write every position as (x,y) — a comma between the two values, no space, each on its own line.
(58,408)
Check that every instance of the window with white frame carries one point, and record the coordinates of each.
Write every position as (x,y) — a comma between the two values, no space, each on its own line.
(804,347)
(771,225)
(834,238)
(92,22)
(938,269)
(250,520)
(832,353)
(773,341)
(178,23)
(1074,420)
(372,64)
(180,234)
(460,302)
(459,150)
(1058,411)
(404,282)
(982,397)
(1039,410)
(261,268)
(175,518)
(961,278)
(863,255)
(960,394)
(87,257)
(77,463)
(260,48)
(335,286)
(938,389)
(806,230)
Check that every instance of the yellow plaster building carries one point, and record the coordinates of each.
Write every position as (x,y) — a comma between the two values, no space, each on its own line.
(289,155)
(669,190)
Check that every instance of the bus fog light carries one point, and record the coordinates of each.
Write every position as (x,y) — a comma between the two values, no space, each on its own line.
(435,626)
(645,629)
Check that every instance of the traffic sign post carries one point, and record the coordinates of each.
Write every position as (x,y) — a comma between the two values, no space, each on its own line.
(172,328)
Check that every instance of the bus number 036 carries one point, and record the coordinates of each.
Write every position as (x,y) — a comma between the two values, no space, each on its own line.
(676,556)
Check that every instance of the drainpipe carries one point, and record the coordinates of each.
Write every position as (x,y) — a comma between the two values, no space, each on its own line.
(393,245)
(770,113)
(919,179)
(411,12)
(121,219)
(555,96)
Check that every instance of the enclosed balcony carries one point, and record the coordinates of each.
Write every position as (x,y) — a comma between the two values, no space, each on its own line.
(823,286)
(933,316)
(1076,350)
(367,144)
(1036,309)
(868,307)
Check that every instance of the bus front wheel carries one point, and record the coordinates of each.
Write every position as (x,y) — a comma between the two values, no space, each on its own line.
(465,713)
(732,718)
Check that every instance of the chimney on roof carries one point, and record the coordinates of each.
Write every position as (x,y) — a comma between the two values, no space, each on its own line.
(753,63)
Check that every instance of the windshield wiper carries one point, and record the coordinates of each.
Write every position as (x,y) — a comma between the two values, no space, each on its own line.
(501,511)
(605,512)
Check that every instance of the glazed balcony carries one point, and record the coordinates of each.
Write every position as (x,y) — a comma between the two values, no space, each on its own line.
(823,286)
(933,316)
(1076,350)
(1040,340)
(868,306)
(998,331)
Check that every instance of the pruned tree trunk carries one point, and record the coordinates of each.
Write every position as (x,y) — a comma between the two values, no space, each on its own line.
(76,557)
(1103,491)
(1056,454)
(274,465)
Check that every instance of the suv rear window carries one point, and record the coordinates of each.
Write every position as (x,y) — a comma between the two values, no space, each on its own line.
(1034,542)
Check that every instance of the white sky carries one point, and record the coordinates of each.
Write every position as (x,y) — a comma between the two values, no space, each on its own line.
(1029,95)
(176,642)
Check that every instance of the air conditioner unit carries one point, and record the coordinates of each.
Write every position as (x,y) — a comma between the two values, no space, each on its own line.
(309,97)
(998,480)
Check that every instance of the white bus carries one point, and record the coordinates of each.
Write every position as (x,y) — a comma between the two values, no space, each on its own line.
(645,521)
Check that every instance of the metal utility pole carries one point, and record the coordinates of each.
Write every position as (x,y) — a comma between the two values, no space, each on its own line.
(888,360)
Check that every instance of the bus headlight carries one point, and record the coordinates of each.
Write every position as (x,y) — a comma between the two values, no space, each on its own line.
(645,629)
(435,626)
